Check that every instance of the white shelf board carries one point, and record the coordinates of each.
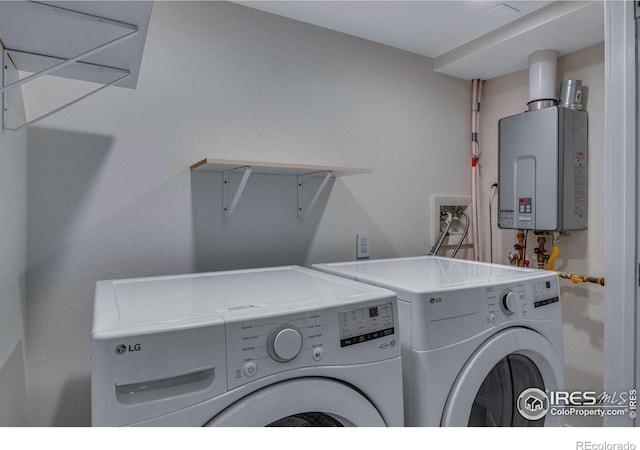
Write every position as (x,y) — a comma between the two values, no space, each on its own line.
(55,29)
(29,62)
(272,168)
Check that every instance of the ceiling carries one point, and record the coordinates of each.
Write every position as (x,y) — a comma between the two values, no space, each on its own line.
(467,39)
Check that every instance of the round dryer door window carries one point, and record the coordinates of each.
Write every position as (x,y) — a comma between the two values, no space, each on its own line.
(309,419)
(490,387)
(307,402)
(495,404)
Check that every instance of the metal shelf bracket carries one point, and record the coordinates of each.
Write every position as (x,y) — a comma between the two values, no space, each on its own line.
(230,199)
(130,31)
(302,181)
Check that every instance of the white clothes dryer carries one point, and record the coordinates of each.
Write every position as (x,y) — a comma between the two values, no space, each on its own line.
(474,337)
(277,346)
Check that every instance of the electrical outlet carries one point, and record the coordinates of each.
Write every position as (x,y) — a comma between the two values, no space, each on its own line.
(363,243)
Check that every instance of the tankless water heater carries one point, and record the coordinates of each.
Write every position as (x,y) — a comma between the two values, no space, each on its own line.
(542,170)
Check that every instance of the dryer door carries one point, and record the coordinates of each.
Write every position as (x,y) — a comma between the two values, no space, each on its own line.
(487,389)
(301,402)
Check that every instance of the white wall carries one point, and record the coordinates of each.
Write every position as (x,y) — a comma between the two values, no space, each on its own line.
(583,251)
(111,196)
(13,262)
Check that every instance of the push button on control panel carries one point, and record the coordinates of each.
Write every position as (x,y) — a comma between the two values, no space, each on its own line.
(318,353)
(250,369)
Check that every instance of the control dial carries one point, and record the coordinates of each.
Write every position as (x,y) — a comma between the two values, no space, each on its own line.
(508,300)
(284,343)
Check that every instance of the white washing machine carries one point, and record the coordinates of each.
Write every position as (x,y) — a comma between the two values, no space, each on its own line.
(474,337)
(277,346)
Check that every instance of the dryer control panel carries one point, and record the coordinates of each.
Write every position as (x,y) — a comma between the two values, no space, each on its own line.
(522,300)
(350,334)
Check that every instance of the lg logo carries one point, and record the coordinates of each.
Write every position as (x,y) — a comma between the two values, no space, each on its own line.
(434,300)
(122,349)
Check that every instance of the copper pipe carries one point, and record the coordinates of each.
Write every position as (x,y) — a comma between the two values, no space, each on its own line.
(520,247)
(541,250)
(581,278)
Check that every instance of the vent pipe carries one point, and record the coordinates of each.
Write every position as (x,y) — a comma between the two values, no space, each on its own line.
(542,79)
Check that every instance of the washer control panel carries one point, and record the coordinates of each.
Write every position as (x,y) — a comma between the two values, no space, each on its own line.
(350,334)
(364,324)
(522,300)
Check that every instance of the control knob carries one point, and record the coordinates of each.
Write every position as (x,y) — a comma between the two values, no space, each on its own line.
(284,343)
(508,301)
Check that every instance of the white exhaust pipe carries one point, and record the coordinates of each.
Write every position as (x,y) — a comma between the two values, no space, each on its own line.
(542,79)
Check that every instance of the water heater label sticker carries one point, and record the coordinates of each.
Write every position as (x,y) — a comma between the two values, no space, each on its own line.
(505,218)
(506,215)
(579,183)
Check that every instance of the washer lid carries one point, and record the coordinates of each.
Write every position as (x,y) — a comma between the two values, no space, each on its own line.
(428,273)
(196,298)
